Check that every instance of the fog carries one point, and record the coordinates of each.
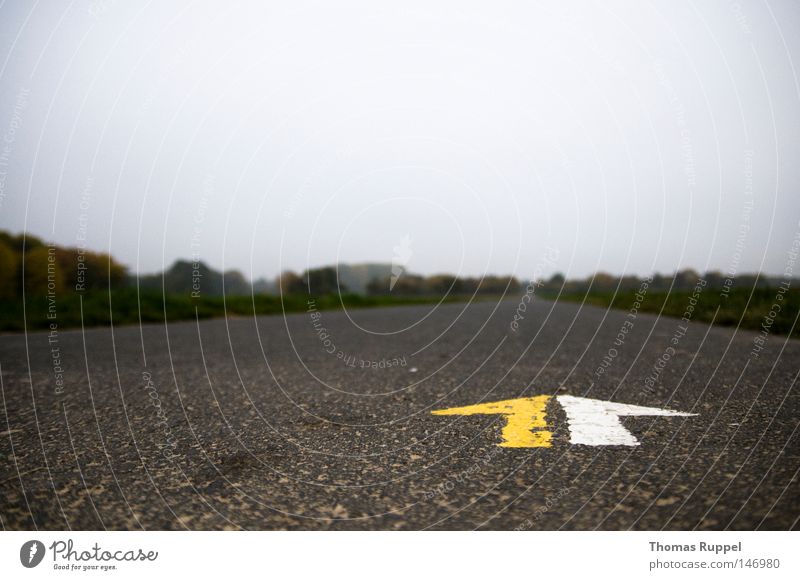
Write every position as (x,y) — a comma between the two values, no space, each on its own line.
(475,137)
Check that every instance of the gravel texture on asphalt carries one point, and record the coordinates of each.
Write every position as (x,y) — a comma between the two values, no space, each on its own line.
(323,421)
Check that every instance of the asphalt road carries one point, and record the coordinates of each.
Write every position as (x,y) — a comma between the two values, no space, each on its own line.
(252,423)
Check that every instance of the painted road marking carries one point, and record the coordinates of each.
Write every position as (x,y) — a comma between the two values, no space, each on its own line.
(590,421)
(595,422)
(526,424)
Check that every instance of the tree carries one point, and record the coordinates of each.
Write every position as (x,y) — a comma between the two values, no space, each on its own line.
(9,275)
(442,284)
(685,279)
(43,273)
(90,270)
(321,281)
(290,283)
(556,281)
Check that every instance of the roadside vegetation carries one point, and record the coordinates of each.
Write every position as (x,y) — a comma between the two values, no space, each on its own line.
(124,306)
(758,309)
(43,284)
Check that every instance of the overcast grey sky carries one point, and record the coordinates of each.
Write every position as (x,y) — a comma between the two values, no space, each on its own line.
(624,136)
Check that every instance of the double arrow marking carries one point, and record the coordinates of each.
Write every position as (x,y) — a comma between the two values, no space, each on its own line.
(591,421)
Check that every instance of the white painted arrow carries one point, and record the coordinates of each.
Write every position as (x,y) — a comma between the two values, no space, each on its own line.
(594,422)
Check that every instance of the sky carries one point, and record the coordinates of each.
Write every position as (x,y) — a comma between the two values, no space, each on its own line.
(464,137)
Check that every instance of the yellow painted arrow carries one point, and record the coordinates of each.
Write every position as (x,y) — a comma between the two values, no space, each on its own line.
(526,420)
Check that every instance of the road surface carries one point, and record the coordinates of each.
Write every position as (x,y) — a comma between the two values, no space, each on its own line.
(324,421)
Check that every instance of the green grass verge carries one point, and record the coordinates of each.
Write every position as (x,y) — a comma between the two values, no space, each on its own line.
(749,309)
(152,306)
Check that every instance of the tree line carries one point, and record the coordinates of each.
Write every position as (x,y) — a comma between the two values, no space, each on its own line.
(52,268)
(29,265)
